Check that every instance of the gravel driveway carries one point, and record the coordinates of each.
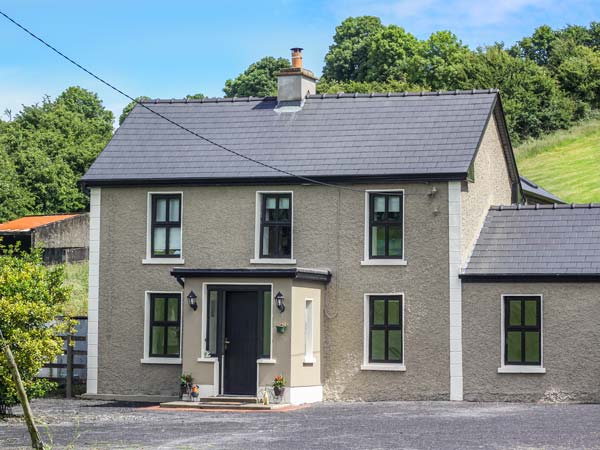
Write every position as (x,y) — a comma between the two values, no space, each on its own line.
(82,424)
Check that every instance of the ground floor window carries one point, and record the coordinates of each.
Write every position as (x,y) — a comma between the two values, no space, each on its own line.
(385,329)
(522,330)
(165,325)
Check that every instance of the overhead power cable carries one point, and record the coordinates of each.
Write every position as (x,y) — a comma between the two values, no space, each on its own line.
(172,122)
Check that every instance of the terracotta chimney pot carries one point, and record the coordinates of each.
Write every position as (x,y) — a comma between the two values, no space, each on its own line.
(297,57)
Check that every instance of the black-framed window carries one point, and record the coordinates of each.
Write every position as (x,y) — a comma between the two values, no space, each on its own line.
(276,226)
(166,225)
(165,325)
(386,225)
(385,329)
(522,330)
(214,314)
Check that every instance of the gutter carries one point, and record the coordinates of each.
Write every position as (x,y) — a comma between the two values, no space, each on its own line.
(530,277)
(86,183)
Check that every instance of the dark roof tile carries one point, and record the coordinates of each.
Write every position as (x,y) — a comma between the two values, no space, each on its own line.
(333,135)
(538,239)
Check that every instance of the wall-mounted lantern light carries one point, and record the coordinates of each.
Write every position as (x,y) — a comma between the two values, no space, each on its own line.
(192,300)
(279,302)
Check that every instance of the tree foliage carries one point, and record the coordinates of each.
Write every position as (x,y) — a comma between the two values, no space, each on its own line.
(130,106)
(32,296)
(257,80)
(347,56)
(46,148)
(548,80)
(532,99)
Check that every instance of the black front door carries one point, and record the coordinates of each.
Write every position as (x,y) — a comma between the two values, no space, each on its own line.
(241,343)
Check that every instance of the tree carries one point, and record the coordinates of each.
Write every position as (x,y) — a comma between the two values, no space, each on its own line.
(393,54)
(15,200)
(347,56)
(443,56)
(363,87)
(32,296)
(532,99)
(258,80)
(197,96)
(130,106)
(579,72)
(52,144)
(538,47)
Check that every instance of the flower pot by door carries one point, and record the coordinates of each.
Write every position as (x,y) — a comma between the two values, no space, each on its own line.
(279,391)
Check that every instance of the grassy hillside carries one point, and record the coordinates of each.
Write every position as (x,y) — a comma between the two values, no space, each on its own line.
(76,276)
(566,163)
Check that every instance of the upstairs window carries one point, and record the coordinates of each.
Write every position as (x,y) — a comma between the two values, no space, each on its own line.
(386,225)
(522,330)
(166,226)
(276,226)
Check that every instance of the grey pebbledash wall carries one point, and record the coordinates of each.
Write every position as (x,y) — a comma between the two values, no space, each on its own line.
(328,233)
(571,333)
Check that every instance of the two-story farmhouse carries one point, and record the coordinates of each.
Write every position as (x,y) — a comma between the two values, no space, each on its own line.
(380,242)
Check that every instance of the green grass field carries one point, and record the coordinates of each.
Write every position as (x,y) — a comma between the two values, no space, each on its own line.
(566,163)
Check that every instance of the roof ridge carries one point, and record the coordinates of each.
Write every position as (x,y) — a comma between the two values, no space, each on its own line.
(209,100)
(403,94)
(323,96)
(539,206)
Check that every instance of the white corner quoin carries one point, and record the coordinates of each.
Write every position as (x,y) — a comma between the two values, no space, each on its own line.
(94,279)
(454,250)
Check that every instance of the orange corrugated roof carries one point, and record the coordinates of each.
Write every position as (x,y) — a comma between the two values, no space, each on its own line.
(30,222)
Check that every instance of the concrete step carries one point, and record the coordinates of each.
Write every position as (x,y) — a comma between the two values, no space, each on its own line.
(216,406)
(229,398)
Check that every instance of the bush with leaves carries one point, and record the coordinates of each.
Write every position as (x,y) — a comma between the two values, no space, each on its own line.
(32,297)
(258,79)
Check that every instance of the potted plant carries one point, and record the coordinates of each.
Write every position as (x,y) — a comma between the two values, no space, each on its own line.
(281,327)
(279,383)
(186,382)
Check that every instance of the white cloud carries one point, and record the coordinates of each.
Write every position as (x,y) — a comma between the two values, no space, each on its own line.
(439,13)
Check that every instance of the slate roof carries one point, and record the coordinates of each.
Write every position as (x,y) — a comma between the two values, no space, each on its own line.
(536,194)
(548,240)
(344,135)
(29,223)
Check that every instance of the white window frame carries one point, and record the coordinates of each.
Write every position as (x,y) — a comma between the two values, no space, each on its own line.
(516,368)
(390,367)
(147,359)
(149,259)
(257,230)
(367,260)
(309,331)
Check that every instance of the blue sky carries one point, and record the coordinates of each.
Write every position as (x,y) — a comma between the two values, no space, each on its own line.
(170,49)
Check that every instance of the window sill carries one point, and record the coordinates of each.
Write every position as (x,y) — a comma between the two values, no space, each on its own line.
(266,361)
(161,361)
(521,369)
(272,261)
(384,367)
(210,359)
(383,262)
(309,361)
(162,261)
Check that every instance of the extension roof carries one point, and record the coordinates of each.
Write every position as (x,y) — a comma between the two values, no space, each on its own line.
(29,223)
(337,137)
(538,241)
(536,194)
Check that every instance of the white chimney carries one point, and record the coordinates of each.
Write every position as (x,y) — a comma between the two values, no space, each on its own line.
(295,83)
